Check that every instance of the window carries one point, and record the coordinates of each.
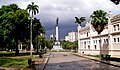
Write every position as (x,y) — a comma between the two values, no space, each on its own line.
(85,45)
(114,27)
(88,46)
(107,41)
(96,41)
(114,40)
(95,46)
(89,42)
(104,41)
(87,34)
(118,40)
(100,41)
(117,26)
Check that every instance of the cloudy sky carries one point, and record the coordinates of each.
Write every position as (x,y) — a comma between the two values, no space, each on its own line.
(66,10)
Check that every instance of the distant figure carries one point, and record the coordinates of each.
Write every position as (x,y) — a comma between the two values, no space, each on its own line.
(53,55)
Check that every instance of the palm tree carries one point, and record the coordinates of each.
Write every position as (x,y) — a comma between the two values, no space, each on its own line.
(79,21)
(99,21)
(115,1)
(33,9)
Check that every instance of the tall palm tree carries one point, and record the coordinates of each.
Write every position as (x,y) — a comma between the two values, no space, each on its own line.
(99,21)
(79,21)
(33,9)
(116,1)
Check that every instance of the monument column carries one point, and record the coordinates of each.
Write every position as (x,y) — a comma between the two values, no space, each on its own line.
(57,29)
(57,45)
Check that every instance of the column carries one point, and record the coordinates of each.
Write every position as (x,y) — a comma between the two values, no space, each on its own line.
(109,35)
(78,28)
(56,33)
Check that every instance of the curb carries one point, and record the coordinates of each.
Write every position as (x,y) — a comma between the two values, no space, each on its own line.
(105,62)
(22,68)
(45,62)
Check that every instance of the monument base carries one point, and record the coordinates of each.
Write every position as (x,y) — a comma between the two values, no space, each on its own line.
(57,46)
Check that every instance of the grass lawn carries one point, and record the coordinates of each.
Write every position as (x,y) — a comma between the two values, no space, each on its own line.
(17,61)
(6,52)
(94,56)
(111,58)
(115,59)
(67,50)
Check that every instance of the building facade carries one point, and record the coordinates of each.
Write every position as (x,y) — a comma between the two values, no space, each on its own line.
(66,38)
(72,36)
(89,40)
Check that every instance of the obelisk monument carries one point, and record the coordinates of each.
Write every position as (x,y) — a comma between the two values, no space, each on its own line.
(57,28)
(57,45)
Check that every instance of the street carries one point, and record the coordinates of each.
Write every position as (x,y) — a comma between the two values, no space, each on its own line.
(67,61)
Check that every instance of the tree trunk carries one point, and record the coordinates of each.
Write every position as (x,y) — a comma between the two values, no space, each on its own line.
(37,45)
(17,50)
(100,44)
(31,45)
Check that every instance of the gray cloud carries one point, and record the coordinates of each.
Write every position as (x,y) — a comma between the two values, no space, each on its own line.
(66,10)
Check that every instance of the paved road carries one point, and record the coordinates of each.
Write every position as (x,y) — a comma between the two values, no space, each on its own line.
(67,61)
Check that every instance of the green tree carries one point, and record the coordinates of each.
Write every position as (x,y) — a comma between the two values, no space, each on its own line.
(20,28)
(99,21)
(115,1)
(37,30)
(6,19)
(69,45)
(14,25)
(65,44)
(34,10)
(49,44)
(79,20)
(53,39)
(41,42)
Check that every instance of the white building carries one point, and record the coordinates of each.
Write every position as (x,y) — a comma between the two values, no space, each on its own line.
(72,36)
(88,39)
(66,38)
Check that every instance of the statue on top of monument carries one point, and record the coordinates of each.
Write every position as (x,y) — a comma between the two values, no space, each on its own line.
(57,21)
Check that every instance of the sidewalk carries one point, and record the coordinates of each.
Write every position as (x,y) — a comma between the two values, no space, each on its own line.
(40,64)
(5,68)
(117,64)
